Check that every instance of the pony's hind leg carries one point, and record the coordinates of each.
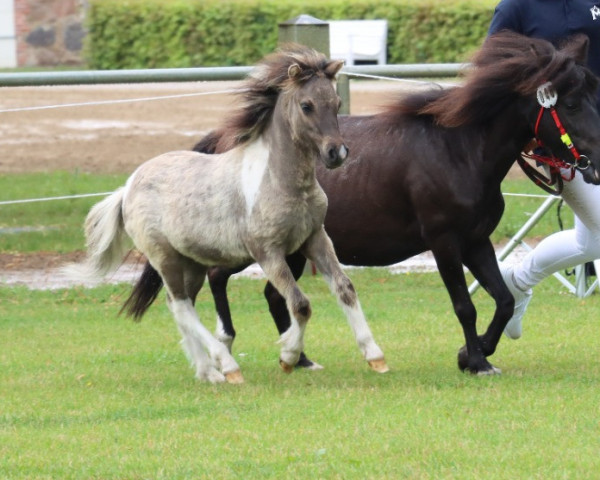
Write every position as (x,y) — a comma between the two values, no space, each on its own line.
(183,279)
(320,250)
(217,280)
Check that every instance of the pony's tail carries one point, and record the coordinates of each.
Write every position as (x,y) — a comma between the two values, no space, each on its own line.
(105,240)
(143,294)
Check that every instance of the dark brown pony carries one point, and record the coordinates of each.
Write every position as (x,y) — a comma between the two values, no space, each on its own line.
(425,174)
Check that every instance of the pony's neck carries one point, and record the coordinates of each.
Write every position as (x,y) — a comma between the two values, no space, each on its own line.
(508,133)
(291,164)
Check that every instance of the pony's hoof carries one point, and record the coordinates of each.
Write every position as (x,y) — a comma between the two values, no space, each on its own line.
(463,364)
(286,367)
(314,366)
(234,377)
(210,374)
(463,359)
(307,363)
(490,371)
(379,365)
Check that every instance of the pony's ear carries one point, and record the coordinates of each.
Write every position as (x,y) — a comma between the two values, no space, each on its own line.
(294,70)
(577,47)
(333,68)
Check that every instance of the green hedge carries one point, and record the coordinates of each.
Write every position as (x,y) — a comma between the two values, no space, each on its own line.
(188,33)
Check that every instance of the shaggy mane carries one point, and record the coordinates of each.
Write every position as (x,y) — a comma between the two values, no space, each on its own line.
(264,84)
(508,65)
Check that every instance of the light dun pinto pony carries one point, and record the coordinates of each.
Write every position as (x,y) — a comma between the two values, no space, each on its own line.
(258,202)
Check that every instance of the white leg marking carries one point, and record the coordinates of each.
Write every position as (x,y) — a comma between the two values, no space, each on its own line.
(222,336)
(197,338)
(205,368)
(292,341)
(358,323)
(362,332)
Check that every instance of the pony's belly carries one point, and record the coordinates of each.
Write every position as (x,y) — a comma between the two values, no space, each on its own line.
(213,256)
(213,248)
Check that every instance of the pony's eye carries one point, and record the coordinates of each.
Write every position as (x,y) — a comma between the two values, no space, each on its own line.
(306,107)
(572,106)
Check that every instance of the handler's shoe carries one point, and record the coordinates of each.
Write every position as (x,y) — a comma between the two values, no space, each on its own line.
(514,327)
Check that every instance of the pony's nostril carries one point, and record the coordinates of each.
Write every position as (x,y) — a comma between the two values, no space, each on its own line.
(333,153)
(336,152)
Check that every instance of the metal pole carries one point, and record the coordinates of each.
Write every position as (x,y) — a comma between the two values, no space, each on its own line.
(22,79)
(343,90)
(518,237)
(87,77)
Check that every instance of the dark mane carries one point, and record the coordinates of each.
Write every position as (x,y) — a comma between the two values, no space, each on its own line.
(505,67)
(269,78)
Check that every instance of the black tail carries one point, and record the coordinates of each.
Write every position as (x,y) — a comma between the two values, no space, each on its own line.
(209,143)
(143,294)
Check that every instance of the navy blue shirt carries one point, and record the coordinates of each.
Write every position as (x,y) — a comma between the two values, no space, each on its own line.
(552,20)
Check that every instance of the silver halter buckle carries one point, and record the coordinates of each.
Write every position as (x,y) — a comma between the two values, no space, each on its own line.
(582,163)
(546,95)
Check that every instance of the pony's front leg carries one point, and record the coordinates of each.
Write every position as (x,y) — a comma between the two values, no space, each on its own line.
(217,280)
(319,249)
(447,253)
(481,261)
(292,340)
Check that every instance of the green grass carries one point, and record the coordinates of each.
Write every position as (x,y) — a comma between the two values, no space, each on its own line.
(85,394)
(519,209)
(57,225)
(52,225)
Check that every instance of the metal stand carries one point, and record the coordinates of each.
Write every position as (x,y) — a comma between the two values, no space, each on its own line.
(580,288)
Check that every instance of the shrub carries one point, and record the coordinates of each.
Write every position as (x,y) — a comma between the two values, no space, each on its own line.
(188,33)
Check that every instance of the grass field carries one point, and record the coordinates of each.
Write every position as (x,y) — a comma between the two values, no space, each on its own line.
(85,394)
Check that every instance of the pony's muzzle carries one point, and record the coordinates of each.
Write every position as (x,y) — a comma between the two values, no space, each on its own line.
(589,170)
(336,154)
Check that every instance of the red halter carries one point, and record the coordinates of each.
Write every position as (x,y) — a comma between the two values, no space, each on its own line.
(547,97)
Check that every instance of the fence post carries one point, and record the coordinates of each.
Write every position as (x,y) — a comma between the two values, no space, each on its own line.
(343,90)
(314,33)
(306,30)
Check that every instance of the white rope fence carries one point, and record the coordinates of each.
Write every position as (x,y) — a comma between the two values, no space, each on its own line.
(126,100)
(51,199)
(104,194)
(395,79)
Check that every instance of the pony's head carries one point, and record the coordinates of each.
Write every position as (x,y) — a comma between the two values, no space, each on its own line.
(564,115)
(555,91)
(302,80)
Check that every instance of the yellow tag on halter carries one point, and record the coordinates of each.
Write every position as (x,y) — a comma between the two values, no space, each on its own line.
(566,140)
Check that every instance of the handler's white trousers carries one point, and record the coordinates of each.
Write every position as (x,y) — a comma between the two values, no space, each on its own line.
(568,248)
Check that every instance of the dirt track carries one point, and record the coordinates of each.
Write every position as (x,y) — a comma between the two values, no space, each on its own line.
(115,138)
